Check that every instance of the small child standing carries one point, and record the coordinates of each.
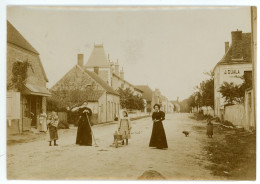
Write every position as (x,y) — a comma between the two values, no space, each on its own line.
(52,124)
(209,128)
(125,127)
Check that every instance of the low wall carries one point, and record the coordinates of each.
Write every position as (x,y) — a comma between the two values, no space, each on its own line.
(236,115)
(207,111)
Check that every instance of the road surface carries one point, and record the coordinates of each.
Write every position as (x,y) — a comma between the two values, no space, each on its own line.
(185,158)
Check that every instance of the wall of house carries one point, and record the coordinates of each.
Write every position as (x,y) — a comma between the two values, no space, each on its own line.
(109,106)
(35,73)
(227,73)
(94,108)
(104,73)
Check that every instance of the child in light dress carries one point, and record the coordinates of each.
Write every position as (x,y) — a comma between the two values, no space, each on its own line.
(125,127)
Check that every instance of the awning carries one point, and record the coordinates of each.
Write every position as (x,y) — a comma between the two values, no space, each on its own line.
(36,90)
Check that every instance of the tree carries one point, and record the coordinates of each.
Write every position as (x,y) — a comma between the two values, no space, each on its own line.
(19,75)
(205,91)
(235,93)
(130,101)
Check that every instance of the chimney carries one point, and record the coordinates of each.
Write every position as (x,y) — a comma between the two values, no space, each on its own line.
(122,73)
(96,69)
(112,68)
(80,60)
(226,46)
(117,68)
(236,44)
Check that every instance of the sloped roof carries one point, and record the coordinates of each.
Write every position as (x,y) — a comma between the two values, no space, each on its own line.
(94,76)
(98,57)
(127,82)
(147,92)
(246,52)
(14,37)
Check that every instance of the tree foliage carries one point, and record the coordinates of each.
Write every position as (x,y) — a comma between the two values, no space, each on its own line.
(205,92)
(130,101)
(233,93)
(62,99)
(19,75)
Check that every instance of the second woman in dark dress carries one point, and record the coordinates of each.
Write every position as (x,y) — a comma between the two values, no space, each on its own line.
(158,137)
(84,133)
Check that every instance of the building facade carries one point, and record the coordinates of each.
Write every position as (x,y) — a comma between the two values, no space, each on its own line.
(108,71)
(102,99)
(235,63)
(24,107)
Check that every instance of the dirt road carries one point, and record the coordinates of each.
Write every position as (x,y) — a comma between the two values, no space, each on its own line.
(185,158)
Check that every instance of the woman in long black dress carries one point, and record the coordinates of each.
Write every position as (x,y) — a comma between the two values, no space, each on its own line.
(84,134)
(158,137)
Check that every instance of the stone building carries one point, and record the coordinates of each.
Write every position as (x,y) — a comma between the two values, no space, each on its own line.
(158,98)
(109,71)
(147,96)
(23,107)
(235,63)
(102,99)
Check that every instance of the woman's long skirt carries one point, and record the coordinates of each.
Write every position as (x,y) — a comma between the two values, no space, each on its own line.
(84,136)
(158,137)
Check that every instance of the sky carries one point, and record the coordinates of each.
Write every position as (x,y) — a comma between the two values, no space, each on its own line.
(169,48)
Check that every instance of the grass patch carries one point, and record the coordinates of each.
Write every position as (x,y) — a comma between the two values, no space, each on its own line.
(233,155)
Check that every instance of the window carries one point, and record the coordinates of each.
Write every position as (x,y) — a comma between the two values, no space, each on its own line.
(122,85)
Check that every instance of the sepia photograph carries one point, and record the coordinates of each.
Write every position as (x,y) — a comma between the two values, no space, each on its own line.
(131,92)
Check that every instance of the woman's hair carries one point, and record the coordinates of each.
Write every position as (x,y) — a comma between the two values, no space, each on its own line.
(125,112)
(157,106)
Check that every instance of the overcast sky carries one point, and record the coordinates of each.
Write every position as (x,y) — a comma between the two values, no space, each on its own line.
(166,48)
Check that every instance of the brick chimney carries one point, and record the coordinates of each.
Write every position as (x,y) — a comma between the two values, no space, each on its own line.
(122,74)
(226,46)
(237,45)
(81,60)
(117,68)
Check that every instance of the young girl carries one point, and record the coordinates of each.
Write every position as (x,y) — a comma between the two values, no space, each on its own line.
(125,127)
(52,124)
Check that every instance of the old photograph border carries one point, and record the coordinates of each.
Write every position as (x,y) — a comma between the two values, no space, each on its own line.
(109,3)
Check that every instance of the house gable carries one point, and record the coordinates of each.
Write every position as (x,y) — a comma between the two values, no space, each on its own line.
(77,79)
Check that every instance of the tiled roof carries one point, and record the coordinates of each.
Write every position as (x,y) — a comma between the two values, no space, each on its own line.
(98,57)
(14,37)
(147,92)
(37,90)
(127,82)
(246,52)
(106,87)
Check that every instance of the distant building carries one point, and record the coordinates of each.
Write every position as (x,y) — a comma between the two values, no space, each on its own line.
(235,63)
(108,71)
(158,98)
(103,100)
(23,107)
(147,95)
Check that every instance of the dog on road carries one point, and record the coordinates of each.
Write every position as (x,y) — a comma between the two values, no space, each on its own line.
(186,133)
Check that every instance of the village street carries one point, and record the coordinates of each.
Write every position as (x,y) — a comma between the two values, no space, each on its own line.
(184,159)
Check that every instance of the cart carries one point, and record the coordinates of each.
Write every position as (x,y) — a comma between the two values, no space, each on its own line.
(118,139)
